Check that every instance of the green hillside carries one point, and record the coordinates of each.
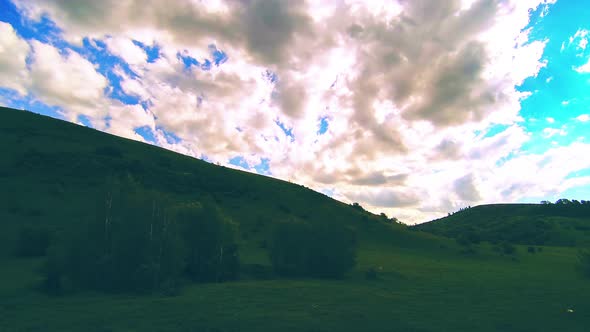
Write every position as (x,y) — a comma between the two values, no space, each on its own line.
(534,224)
(54,176)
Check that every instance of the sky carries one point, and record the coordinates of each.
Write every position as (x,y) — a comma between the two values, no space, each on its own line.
(412,108)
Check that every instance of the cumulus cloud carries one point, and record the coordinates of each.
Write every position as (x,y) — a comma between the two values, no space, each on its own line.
(408,89)
(13,55)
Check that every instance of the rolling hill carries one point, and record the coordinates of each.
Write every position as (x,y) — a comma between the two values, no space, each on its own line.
(53,175)
(532,224)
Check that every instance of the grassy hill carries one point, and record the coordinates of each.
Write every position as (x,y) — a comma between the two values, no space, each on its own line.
(534,224)
(53,174)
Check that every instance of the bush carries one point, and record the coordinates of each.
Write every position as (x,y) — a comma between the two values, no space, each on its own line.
(371,274)
(531,250)
(32,242)
(507,248)
(302,249)
(584,262)
(139,243)
(210,240)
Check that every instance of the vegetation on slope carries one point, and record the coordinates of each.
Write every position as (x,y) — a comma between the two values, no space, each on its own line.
(566,223)
(56,178)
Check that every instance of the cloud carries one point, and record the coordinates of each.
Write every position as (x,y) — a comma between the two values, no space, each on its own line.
(583,69)
(13,57)
(67,80)
(127,50)
(409,88)
(466,188)
(583,118)
(387,197)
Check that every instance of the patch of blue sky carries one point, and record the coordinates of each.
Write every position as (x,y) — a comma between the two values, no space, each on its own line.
(323,125)
(187,60)
(580,173)
(263,167)
(170,137)
(219,57)
(579,193)
(240,162)
(328,192)
(11,98)
(96,51)
(83,119)
(558,81)
(147,133)
(495,130)
(44,30)
(206,65)
(287,131)
(271,76)
(152,51)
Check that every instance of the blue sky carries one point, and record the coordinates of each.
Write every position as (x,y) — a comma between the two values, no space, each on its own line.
(415,123)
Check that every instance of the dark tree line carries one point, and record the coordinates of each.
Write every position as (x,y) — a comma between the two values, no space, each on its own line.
(305,249)
(140,241)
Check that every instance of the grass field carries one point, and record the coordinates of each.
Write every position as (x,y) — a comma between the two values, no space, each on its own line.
(51,174)
(415,292)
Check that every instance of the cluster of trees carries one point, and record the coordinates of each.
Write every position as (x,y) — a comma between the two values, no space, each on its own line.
(140,241)
(565,201)
(312,250)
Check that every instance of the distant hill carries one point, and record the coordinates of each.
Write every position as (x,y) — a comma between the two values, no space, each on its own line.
(537,224)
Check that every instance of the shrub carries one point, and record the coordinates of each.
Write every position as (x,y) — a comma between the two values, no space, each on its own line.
(531,250)
(32,242)
(139,243)
(584,262)
(371,274)
(302,249)
(210,240)
(507,248)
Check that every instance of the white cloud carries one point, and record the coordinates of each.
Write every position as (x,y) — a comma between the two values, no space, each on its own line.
(550,132)
(13,54)
(583,69)
(405,88)
(583,118)
(127,50)
(550,120)
(66,80)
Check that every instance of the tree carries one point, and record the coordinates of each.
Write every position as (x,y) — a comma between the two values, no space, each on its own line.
(210,239)
(132,245)
(316,250)
(584,262)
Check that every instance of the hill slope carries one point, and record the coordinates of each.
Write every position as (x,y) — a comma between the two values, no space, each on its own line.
(54,172)
(537,224)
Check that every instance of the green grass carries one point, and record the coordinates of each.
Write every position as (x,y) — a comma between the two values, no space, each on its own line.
(52,174)
(414,292)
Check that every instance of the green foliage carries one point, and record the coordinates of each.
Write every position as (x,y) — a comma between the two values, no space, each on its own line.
(507,248)
(371,274)
(138,243)
(564,224)
(210,240)
(32,242)
(132,245)
(303,249)
(584,262)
